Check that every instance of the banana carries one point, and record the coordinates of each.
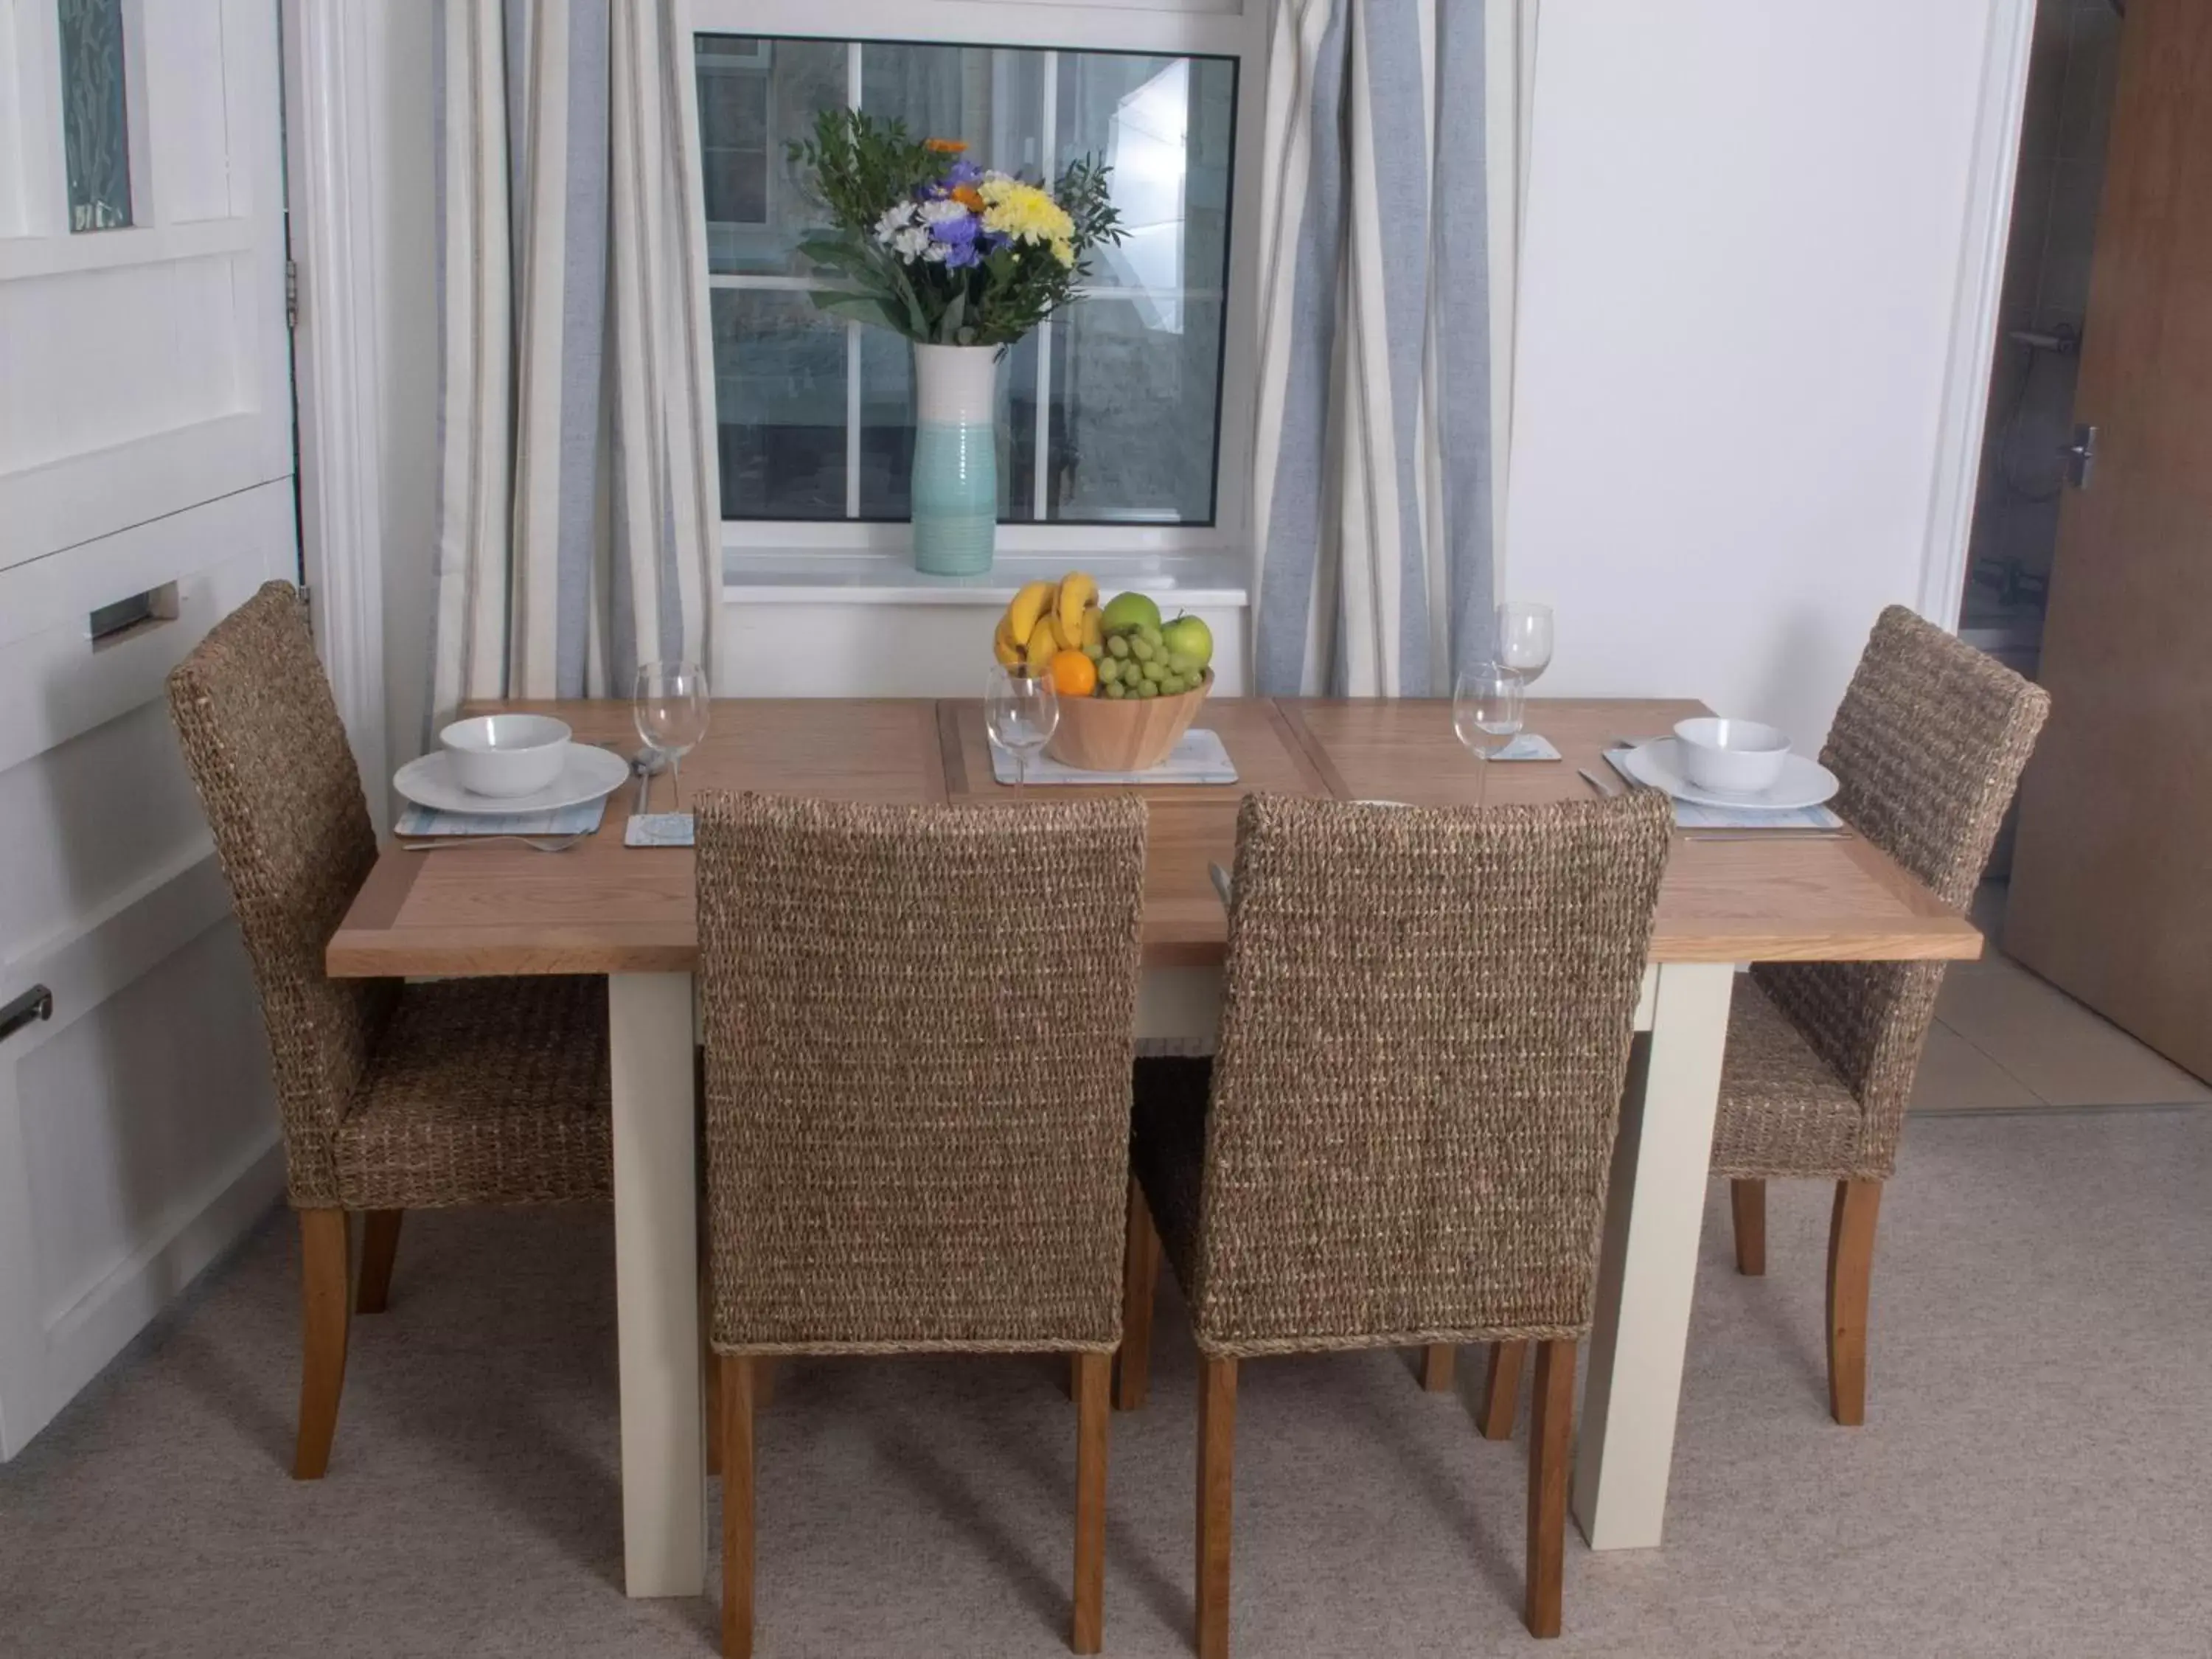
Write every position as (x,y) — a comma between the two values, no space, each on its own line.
(1045,640)
(1077,592)
(1093,634)
(1031,603)
(1003,647)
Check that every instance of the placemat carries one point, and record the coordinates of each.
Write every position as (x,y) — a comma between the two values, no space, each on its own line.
(581,819)
(1690,815)
(1198,757)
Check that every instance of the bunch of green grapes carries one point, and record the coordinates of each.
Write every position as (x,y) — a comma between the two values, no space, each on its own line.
(1134,663)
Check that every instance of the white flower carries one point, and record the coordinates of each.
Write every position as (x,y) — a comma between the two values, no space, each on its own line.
(910,243)
(934,254)
(937,213)
(897,217)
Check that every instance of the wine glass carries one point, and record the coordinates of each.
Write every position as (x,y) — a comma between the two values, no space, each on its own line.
(1524,638)
(669,703)
(1486,706)
(1021,711)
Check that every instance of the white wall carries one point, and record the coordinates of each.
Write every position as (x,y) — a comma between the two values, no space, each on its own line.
(1743,244)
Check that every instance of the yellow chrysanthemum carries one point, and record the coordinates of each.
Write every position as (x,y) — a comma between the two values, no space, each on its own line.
(1028,214)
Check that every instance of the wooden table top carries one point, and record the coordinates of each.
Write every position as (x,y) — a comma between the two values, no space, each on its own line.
(603,908)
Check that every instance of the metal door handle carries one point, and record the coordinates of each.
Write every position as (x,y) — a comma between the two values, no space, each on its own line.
(28,1009)
(2081,455)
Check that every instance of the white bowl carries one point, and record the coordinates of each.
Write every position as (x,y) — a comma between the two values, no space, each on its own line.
(506,755)
(1732,757)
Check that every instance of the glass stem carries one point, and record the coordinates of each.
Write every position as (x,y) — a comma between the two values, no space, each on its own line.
(1021,769)
(1482,784)
(676,779)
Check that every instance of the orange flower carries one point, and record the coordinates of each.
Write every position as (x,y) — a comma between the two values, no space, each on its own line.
(969,197)
(943,146)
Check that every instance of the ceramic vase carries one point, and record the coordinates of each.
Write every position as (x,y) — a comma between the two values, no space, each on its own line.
(955,458)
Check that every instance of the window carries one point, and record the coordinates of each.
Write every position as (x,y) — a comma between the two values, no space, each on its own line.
(1112,414)
(95,123)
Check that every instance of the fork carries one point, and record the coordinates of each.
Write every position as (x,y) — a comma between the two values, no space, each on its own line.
(539,843)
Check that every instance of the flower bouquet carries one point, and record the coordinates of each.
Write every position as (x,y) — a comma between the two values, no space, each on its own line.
(963,262)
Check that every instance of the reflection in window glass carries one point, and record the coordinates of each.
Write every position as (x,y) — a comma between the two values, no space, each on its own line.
(1135,384)
(1129,377)
(780,398)
(95,128)
(756,97)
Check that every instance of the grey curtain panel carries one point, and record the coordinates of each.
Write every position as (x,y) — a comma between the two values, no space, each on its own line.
(1373,459)
(579,532)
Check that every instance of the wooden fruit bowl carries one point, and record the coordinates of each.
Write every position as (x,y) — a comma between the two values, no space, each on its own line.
(1126,735)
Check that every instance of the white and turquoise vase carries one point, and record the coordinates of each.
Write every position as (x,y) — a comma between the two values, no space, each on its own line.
(955,458)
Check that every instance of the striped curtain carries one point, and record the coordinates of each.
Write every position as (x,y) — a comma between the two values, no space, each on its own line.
(579,503)
(1373,459)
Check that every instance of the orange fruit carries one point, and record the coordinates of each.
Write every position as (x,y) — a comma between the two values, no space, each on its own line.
(1073,674)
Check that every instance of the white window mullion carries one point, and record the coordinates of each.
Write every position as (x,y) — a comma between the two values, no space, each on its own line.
(852,420)
(1048,119)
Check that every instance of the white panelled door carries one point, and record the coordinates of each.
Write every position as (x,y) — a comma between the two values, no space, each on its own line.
(145,489)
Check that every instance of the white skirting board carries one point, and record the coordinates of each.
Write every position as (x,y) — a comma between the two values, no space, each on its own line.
(81,1341)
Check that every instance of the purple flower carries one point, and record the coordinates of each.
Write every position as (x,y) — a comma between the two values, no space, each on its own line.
(954,232)
(960,255)
(963,171)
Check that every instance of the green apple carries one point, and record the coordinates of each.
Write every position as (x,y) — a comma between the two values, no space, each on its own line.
(1126,610)
(1187,637)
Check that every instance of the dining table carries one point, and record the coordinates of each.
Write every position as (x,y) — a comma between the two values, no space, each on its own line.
(602,908)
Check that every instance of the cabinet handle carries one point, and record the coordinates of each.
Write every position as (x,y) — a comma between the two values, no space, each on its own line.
(33,1005)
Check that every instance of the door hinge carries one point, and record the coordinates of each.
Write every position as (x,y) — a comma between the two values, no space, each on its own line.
(291,293)
(2081,455)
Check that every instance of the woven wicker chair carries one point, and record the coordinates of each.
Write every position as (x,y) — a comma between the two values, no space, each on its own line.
(1406,1131)
(392,1096)
(1928,744)
(918,1028)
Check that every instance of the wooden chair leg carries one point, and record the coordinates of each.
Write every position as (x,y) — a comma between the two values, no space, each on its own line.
(325,1312)
(737,1393)
(1141,1275)
(1087,1627)
(1217,1447)
(1748,1202)
(1551,1425)
(1501,1393)
(1851,1272)
(1436,1364)
(380,1245)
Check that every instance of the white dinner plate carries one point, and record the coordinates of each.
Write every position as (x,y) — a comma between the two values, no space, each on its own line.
(587,773)
(1804,782)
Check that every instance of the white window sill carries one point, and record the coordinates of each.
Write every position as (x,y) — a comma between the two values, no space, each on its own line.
(1219,580)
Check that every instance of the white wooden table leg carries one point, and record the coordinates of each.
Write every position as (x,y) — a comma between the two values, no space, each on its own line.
(1178,1010)
(664,1469)
(1648,1265)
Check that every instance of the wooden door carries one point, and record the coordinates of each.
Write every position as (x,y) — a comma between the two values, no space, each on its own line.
(2111,884)
(145,489)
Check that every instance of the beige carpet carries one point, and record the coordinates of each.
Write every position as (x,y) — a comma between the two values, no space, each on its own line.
(2036,1478)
